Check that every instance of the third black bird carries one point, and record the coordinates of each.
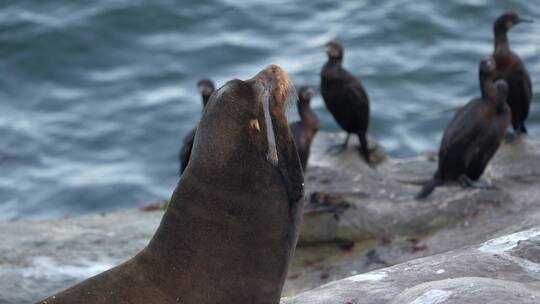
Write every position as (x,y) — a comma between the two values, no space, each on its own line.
(345,97)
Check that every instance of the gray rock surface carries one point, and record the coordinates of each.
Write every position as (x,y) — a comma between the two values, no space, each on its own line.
(364,203)
(487,273)
(359,219)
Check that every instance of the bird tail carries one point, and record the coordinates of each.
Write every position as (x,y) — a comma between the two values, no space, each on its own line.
(428,188)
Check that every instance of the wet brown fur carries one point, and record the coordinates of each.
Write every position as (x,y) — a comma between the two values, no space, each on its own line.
(232,225)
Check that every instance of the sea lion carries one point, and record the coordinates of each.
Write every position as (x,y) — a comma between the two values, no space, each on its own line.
(231,228)
(206,88)
(345,97)
(304,130)
(474,134)
(511,68)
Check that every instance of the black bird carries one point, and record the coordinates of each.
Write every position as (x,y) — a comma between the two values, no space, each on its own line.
(474,134)
(206,88)
(345,98)
(511,68)
(304,130)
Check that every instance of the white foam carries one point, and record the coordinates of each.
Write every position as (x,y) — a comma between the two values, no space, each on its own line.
(508,242)
(43,267)
(368,277)
(434,296)
(500,246)
(162,95)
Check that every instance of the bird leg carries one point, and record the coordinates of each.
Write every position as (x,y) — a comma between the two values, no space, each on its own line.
(364,148)
(466,182)
(518,133)
(336,149)
(510,137)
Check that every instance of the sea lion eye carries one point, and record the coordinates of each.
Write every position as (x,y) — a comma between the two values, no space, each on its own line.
(254,124)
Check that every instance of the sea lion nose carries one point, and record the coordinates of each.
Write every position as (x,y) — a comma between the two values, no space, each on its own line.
(272,82)
(274,73)
(276,77)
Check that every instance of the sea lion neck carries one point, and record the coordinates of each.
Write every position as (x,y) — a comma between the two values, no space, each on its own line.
(250,114)
(276,91)
(228,119)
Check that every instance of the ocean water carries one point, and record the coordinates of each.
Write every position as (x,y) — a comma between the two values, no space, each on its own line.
(96,96)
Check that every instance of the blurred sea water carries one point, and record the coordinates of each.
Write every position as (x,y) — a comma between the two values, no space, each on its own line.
(96,96)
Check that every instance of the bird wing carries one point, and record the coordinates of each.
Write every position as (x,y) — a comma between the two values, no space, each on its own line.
(527,89)
(358,101)
(519,78)
(461,134)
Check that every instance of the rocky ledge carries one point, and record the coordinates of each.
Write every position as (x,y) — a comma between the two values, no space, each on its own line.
(357,219)
(503,270)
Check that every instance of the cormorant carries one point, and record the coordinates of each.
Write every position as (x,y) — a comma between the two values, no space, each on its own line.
(345,98)
(474,134)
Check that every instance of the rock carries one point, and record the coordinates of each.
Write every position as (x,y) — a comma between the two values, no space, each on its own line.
(38,258)
(519,161)
(528,250)
(381,201)
(469,290)
(487,273)
(358,219)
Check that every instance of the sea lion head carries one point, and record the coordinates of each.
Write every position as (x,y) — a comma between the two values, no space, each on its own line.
(506,21)
(206,88)
(243,137)
(334,50)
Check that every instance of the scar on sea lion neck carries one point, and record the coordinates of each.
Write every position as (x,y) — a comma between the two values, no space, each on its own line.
(271,155)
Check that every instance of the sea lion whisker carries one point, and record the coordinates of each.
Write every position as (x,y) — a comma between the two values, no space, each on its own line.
(291,97)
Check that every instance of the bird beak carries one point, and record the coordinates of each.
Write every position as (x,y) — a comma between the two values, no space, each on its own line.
(525,20)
